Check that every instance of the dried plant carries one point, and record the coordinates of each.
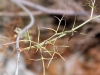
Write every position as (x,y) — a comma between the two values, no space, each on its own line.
(40,46)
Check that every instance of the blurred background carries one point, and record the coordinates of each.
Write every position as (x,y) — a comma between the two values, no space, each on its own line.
(82,57)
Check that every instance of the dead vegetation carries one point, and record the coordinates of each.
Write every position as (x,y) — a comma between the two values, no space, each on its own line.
(82,56)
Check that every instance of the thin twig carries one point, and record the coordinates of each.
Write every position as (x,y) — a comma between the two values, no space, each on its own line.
(92,8)
(22,14)
(20,34)
(51,11)
(38,12)
(61,12)
(44,10)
